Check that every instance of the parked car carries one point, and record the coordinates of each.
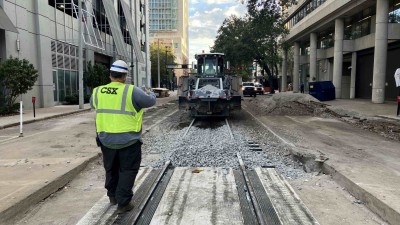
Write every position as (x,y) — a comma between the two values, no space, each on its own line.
(248,88)
(259,89)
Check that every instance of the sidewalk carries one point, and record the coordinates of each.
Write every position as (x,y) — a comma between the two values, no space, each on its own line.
(363,108)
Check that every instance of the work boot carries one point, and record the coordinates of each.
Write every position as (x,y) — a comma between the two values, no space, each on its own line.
(113,201)
(124,209)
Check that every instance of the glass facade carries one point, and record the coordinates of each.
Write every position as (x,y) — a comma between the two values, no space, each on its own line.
(359,25)
(394,11)
(163,15)
(65,69)
(305,49)
(326,39)
(303,12)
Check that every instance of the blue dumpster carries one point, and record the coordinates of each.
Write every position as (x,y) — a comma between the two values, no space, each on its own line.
(322,90)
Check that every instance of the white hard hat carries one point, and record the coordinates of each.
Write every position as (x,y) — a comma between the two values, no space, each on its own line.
(119,66)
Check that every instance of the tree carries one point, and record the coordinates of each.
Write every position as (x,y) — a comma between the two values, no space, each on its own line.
(17,77)
(96,75)
(256,35)
(166,57)
(231,40)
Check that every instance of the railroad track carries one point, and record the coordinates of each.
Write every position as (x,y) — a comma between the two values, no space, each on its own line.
(193,121)
(207,195)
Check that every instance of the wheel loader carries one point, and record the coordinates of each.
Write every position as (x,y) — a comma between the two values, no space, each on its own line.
(210,92)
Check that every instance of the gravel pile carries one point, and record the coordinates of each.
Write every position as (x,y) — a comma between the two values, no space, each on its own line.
(214,148)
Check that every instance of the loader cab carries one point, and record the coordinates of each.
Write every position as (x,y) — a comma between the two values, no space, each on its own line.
(210,64)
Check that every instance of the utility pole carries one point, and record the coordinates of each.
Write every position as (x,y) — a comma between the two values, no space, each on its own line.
(158,61)
(133,74)
(80,51)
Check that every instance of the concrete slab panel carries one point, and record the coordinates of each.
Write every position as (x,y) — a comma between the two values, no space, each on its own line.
(188,196)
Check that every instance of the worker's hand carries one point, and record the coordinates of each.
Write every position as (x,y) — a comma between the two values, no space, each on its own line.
(147,90)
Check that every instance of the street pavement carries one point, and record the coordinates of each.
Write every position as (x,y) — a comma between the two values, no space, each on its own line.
(17,196)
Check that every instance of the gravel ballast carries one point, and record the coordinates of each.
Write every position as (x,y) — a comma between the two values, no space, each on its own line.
(213,147)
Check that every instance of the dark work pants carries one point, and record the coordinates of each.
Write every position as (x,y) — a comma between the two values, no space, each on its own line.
(122,166)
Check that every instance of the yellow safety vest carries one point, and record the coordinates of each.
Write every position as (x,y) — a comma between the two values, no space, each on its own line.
(114,109)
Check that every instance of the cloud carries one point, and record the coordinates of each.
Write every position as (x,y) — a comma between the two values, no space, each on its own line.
(235,10)
(205,19)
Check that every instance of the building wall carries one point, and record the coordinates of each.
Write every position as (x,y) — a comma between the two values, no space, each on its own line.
(39,25)
(177,38)
(321,19)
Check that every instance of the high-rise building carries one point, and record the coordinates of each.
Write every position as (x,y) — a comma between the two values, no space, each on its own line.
(169,24)
(355,44)
(46,33)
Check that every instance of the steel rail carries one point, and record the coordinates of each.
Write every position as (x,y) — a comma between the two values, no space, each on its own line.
(249,187)
(187,130)
(229,128)
(149,194)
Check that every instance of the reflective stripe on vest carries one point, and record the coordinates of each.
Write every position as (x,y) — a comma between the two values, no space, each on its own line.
(115,112)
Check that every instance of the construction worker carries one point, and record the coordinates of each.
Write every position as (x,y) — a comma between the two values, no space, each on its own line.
(119,112)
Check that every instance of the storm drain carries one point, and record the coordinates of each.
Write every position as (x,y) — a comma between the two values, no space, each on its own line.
(139,198)
(249,216)
(268,211)
(151,207)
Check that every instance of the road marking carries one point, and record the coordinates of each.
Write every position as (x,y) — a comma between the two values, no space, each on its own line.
(8,139)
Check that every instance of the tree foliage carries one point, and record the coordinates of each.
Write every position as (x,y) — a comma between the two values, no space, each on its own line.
(255,37)
(96,75)
(16,77)
(232,40)
(166,57)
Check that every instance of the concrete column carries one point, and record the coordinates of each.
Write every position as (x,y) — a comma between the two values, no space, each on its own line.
(313,56)
(338,57)
(353,75)
(284,71)
(380,55)
(296,67)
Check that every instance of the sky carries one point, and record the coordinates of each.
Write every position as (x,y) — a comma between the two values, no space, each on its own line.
(205,17)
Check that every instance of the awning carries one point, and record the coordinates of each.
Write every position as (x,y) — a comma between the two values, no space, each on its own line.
(5,22)
(115,28)
(132,32)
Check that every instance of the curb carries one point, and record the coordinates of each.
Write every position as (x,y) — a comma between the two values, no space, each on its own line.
(374,204)
(44,118)
(35,197)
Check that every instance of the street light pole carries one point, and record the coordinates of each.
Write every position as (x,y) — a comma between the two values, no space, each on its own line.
(166,69)
(158,62)
(80,59)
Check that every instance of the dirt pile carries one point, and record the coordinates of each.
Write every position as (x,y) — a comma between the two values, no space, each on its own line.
(288,104)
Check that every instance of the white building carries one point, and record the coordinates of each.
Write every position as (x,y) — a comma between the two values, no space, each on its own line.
(45,32)
(355,44)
